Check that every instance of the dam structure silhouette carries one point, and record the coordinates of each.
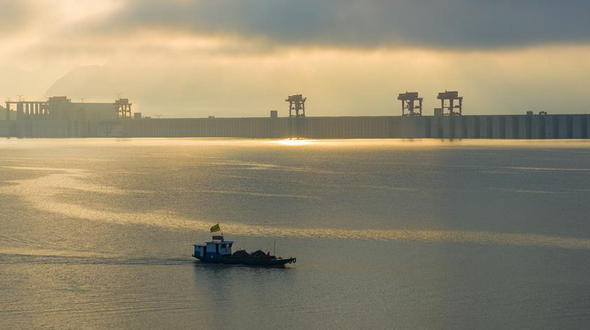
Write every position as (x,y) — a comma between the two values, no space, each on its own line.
(60,118)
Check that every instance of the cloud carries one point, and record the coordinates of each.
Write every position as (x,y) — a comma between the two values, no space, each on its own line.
(471,24)
(14,15)
(69,33)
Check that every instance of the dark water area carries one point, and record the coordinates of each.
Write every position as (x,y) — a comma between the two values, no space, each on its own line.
(426,234)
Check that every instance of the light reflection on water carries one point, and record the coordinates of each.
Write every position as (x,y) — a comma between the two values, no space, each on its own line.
(296,142)
(41,192)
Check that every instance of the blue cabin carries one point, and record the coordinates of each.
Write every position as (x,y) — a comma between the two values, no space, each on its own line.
(212,251)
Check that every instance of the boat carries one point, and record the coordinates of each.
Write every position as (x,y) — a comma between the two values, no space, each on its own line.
(219,251)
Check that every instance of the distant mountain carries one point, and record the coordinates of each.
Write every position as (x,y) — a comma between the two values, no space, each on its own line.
(82,82)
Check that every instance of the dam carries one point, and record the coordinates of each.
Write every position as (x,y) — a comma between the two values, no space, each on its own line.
(386,127)
(60,118)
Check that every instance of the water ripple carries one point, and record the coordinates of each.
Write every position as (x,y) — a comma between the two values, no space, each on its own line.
(41,193)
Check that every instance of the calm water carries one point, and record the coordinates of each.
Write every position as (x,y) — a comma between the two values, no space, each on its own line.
(388,234)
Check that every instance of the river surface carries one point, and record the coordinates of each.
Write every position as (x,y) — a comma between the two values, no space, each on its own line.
(388,234)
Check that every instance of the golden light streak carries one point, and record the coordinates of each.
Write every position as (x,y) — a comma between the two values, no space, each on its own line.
(42,194)
(295,142)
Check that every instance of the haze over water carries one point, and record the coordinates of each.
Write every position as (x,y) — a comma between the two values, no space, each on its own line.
(387,234)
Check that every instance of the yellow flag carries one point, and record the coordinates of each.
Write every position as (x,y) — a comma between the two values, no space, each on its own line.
(215,228)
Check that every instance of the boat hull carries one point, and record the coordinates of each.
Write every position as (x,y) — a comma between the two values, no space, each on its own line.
(257,262)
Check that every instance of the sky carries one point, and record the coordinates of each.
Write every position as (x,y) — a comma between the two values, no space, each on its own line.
(232,58)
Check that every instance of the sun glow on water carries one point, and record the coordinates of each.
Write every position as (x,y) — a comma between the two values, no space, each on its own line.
(295,142)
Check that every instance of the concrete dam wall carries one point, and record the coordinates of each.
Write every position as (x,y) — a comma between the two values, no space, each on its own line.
(438,127)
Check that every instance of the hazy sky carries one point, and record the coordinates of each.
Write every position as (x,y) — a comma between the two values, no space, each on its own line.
(349,57)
